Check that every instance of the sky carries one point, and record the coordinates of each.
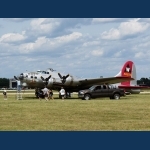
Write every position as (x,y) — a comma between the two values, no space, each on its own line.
(84,47)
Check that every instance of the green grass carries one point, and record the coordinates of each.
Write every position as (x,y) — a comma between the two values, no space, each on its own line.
(129,113)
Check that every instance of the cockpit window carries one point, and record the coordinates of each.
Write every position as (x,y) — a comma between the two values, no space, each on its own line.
(44,72)
(47,72)
(51,69)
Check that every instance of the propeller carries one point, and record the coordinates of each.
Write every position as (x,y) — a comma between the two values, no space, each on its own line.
(63,78)
(46,79)
(16,78)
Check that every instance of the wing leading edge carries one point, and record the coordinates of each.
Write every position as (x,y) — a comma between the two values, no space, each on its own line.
(110,80)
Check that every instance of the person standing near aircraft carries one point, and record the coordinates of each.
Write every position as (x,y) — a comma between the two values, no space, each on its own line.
(46,93)
(51,94)
(5,94)
(36,92)
(40,94)
(62,93)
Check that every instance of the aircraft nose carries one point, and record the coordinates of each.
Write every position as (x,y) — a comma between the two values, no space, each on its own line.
(21,76)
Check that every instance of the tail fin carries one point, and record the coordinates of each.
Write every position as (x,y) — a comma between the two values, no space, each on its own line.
(128,70)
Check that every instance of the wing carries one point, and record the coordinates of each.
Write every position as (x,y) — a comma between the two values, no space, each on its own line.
(110,80)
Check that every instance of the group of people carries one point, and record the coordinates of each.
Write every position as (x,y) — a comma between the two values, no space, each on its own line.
(47,94)
(44,93)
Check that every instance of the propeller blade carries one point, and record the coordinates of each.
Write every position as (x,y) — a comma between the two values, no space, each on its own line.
(63,77)
(15,77)
(42,78)
(48,78)
(67,76)
(60,75)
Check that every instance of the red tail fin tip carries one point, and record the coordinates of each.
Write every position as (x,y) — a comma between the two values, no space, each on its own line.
(128,70)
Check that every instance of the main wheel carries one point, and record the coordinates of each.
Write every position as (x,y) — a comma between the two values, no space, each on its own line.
(116,96)
(87,97)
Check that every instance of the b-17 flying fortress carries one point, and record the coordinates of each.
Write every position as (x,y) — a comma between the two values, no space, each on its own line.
(55,80)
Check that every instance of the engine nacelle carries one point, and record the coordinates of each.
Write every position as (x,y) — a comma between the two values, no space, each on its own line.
(71,81)
(50,82)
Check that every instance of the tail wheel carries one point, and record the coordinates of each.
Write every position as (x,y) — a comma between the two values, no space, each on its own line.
(87,97)
(116,96)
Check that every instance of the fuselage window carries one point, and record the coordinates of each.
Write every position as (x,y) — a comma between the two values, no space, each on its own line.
(43,72)
(31,76)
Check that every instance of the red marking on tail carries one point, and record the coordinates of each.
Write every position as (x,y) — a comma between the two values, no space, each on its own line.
(126,71)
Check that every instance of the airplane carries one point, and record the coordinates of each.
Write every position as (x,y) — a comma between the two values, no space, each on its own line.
(130,87)
(55,80)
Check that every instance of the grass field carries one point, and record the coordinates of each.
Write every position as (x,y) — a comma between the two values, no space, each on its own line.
(129,113)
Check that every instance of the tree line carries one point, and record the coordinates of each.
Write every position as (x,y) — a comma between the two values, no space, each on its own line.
(4,82)
(144,81)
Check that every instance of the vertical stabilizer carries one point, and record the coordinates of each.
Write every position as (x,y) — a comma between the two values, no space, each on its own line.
(128,70)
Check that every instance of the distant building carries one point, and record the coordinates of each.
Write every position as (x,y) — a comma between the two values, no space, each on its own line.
(12,83)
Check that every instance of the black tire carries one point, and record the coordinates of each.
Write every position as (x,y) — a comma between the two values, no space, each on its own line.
(116,96)
(87,97)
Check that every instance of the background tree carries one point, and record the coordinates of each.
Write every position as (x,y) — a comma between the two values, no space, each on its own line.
(144,81)
(4,82)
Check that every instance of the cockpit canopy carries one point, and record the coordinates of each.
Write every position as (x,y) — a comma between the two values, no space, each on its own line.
(42,72)
(46,72)
(50,69)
